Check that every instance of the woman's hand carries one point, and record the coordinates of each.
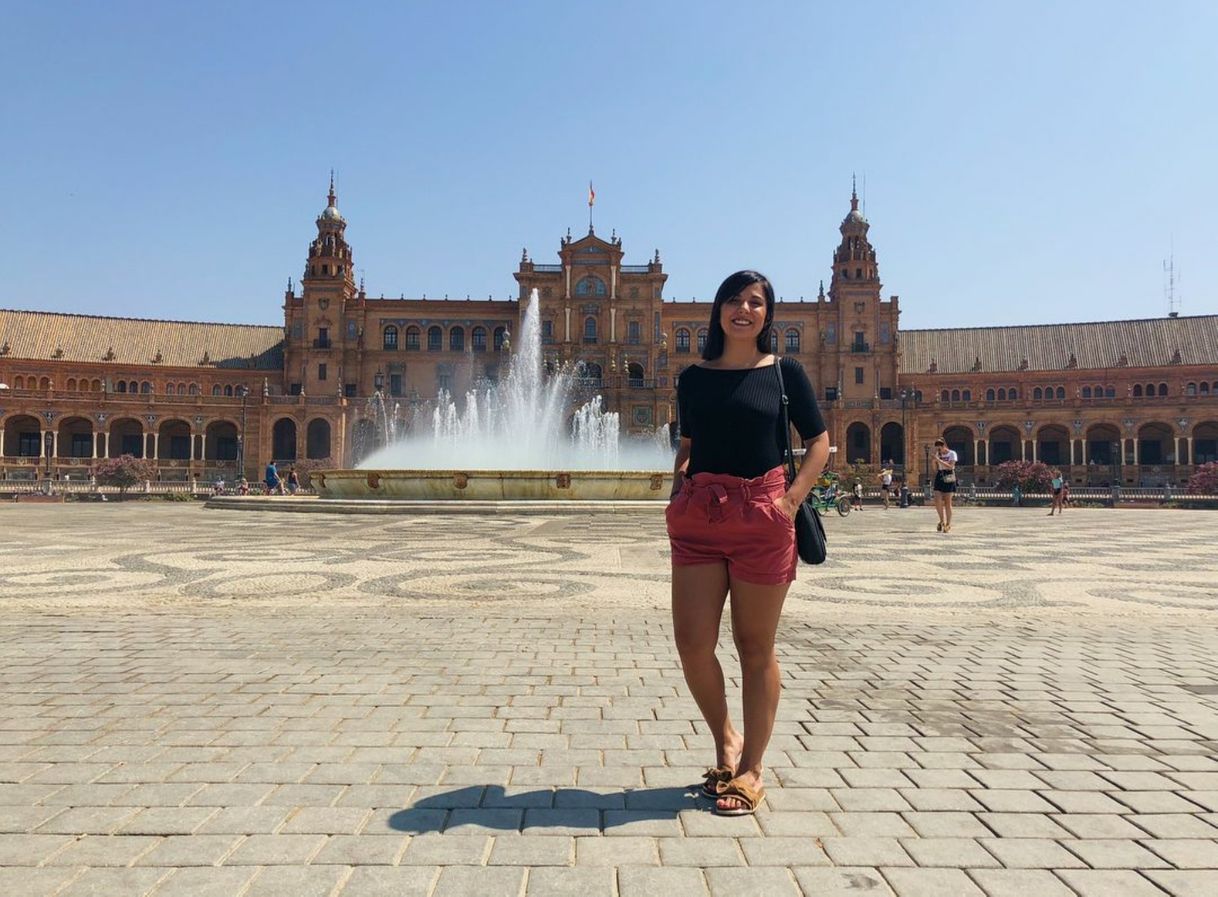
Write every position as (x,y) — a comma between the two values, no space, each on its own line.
(788,504)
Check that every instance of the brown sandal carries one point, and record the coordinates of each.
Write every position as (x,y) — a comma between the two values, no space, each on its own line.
(713,778)
(738,789)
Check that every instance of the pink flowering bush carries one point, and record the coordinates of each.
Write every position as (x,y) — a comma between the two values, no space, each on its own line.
(1205,480)
(124,471)
(1031,476)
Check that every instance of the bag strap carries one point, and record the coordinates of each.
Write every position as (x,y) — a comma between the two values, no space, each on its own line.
(786,422)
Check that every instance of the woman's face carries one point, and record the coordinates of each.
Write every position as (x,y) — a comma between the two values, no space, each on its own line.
(743,315)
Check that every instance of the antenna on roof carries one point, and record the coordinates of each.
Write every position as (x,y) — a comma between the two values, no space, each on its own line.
(1169,285)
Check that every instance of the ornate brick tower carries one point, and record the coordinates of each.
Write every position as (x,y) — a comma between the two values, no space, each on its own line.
(864,335)
(316,336)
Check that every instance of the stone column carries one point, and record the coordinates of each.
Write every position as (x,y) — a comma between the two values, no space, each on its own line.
(567,313)
(977,451)
(106,444)
(156,446)
(1135,451)
(1,443)
(1071,451)
(613,325)
(93,444)
(1188,451)
(1023,449)
(54,443)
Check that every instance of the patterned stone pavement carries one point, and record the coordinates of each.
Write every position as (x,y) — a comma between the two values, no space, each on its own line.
(221,703)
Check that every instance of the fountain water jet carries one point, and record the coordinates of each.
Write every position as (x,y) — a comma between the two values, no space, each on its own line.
(511,440)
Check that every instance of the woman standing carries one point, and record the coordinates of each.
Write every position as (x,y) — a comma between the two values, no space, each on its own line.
(945,484)
(731,523)
(1056,482)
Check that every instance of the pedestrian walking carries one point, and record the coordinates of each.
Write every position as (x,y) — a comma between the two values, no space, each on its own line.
(857,493)
(731,524)
(273,482)
(293,480)
(945,483)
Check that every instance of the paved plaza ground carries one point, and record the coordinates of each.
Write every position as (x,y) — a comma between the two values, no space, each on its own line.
(200,702)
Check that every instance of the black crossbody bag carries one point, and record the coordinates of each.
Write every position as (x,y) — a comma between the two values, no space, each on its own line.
(809,533)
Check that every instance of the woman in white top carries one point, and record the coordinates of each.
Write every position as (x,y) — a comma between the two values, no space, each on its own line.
(945,484)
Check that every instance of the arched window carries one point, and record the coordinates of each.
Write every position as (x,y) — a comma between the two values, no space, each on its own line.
(682,340)
(1137,390)
(456,339)
(1037,394)
(228,390)
(955,395)
(1002,395)
(702,335)
(1086,392)
(435,339)
(171,389)
(967,395)
(145,387)
(216,390)
(1162,389)
(589,329)
(1110,392)
(120,386)
(792,341)
(989,394)
(1099,392)
(1012,393)
(18,382)
(1205,389)
(1189,390)
(194,389)
(390,339)
(1061,392)
(478,337)
(498,337)
(412,339)
(590,286)
(1150,389)
(945,396)
(774,341)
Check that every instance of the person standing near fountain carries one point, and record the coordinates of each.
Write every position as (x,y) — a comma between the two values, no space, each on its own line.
(731,523)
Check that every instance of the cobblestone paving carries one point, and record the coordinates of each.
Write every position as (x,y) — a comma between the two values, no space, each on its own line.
(181,715)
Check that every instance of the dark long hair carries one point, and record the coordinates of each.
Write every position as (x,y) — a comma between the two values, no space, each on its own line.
(733,286)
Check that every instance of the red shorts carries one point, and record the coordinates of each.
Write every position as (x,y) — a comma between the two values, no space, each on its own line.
(718,518)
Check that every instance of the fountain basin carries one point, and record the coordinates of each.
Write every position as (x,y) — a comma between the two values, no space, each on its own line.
(493,485)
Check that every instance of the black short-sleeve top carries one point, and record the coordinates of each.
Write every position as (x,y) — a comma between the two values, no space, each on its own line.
(733,418)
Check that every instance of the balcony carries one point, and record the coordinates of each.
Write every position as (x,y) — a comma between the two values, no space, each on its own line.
(323,343)
(860,348)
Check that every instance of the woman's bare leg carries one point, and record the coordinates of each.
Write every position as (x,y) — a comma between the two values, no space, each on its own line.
(698,595)
(755,612)
(938,496)
(947,509)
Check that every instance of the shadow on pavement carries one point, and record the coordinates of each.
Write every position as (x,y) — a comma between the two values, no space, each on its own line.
(490,807)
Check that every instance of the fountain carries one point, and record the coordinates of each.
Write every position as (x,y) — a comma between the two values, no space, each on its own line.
(509,441)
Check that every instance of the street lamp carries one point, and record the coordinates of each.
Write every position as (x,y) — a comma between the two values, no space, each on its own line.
(378,380)
(49,441)
(242,391)
(906,396)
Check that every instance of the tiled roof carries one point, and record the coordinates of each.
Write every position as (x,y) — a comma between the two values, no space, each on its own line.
(1047,347)
(48,336)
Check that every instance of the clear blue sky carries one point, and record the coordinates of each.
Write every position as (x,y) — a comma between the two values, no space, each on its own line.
(1030,162)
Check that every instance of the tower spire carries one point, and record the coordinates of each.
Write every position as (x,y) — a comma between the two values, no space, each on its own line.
(332,198)
(854,195)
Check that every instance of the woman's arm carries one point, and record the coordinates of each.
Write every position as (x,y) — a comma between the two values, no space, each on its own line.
(680,465)
(816,455)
